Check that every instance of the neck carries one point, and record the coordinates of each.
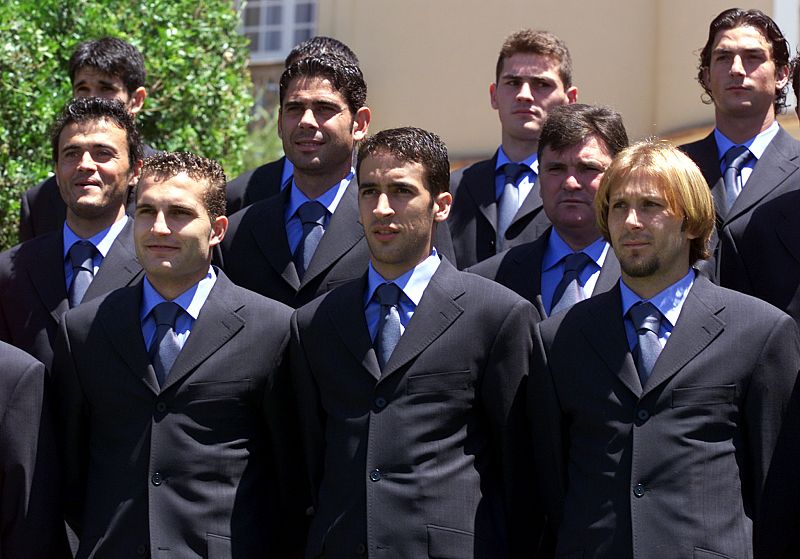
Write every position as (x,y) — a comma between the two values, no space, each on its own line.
(518,151)
(649,287)
(579,240)
(739,130)
(171,288)
(86,228)
(315,185)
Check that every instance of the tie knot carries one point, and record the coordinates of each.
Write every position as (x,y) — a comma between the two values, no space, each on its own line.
(512,171)
(736,157)
(388,294)
(645,316)
(311,212)
(166,313)
(576,262)
(81,254)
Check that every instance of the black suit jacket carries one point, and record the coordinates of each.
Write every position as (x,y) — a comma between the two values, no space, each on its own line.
(520,269)
(473,217)
(775,174)
(30,514)
(255,251)
(426,459)
(194,468)
(254,185)
(674,469)
(43,210)
(33,293)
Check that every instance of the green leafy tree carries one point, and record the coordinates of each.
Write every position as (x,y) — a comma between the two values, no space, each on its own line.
(199,89)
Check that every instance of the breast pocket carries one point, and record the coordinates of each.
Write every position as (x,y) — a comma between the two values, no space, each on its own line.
(703,395)
(226,399)
(439,382)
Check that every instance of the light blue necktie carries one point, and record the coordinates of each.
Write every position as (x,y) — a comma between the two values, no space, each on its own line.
(735,159)
(81,256)
(165,347)
(312,215)
(389,326)
(646,319)
(568,291)
(508,203)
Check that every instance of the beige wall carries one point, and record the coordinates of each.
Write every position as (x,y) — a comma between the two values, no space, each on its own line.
(429,63)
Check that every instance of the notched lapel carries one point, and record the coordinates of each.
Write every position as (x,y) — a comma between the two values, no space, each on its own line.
(47,275)
(350,325)
(119,268)
(269,232)
(523,271)
(480,185)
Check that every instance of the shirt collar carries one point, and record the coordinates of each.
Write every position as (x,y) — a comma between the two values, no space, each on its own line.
(557,249)
(191,300)
(330,199)
(413,282)
(531,161)
(757,144)
(286,173)
(102,241)
(669,302)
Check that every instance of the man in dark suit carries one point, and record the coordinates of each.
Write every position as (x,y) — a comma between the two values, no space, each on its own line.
(414,450)
(496,202)
(655,407)
(30,517)
(269,179)
(744,70)
(109,68)
(97,154)
(571,260)
(174,429)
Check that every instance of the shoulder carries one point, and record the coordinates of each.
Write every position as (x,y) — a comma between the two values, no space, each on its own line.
(21,376)
(523,255)
(471,172)
(28,253)
(249,302)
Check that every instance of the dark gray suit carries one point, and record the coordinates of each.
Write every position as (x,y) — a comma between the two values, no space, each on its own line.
(255,250)
(473,217)
(254,185)
(520,269)
(33,293)
(675,469)
(31,526)
(775,174)
(197,468)
(427,459)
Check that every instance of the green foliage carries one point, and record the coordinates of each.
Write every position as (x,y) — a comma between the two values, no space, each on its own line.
(263,143)
(199,89)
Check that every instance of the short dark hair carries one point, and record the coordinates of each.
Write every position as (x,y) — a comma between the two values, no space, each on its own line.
(90,109)
(165,165)
(733,18)
(318,45)
(111,56)
(412,145)
(569,125)
(542,43)
(345,77)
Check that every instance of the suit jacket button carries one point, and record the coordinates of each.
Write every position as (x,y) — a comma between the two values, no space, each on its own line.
(639,490)
(643,415)
(375,475)
(380,402)
(141,550)
(156,479)
(361,549)
(161,407)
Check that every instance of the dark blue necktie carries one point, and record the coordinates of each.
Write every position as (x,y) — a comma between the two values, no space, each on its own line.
(735,159)
(646,319)
(165,347)
(81,256)
(312,215)
(389,322)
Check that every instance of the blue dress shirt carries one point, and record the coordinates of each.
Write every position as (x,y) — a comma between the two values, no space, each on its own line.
(287,173)
(757,144)
(524,183)
(669,302)
(412,283)
(102,242)
(191,301)
(330,199)
(553,266)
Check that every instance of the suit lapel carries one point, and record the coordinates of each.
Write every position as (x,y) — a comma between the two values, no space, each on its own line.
(771,171)
(269,233)
(346,313)
(119,315)
(47,273)
(342,233)
(610,341)
(706,155)
(697,327)
(522,272)
(532,203)
(119,267)
(609,273)
(217,323)
(481,187)
(436,311)
(786,228)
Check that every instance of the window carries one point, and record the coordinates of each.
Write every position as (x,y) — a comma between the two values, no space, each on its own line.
(275,26)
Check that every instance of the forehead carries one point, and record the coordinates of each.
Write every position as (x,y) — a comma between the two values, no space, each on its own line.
(388,166)
(745,37)
(180,188)
(529,64)
(591,147)
(90,74)
(313,88)
(93,131)
(638,184)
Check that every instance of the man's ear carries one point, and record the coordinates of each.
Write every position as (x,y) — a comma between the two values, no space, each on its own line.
(493,95)
(136,101)
(441,206)
(218,229)
(361,123)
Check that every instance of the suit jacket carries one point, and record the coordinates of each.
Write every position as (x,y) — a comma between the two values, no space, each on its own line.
(254,185)
(674,469)
(473,217)
(33,293)
(43,210)
(775,174)
(196,467)
(427,459)
(520,269)
(30,516)
(255,251)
